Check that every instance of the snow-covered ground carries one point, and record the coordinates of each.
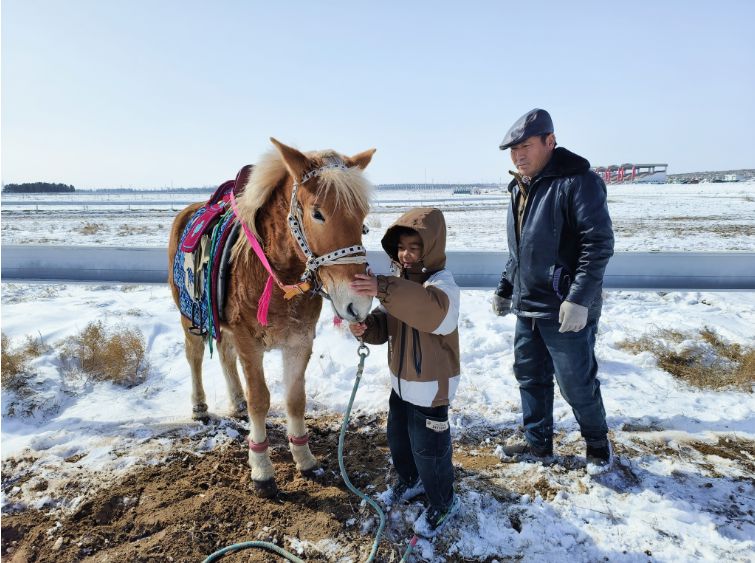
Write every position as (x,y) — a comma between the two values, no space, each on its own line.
(676,495)
(666,496)
(667,217)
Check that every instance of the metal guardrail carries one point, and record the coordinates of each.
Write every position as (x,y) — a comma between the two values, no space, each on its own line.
(626,270)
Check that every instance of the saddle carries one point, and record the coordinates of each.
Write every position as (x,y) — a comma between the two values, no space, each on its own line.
(218,204)
(201,266)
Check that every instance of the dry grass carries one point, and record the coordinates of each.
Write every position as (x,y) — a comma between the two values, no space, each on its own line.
(91,228)
(14,366)
(108,354)
(720,226)
(706,361)
(15,361)
(126,230)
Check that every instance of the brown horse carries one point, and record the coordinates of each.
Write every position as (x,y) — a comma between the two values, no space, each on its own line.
(322,198)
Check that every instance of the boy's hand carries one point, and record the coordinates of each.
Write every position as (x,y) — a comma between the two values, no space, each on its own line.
(357,329)
(364,284)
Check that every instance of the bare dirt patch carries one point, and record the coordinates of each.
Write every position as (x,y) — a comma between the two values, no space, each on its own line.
(190,505)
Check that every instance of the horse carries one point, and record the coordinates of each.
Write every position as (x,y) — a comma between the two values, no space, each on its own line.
(306,212)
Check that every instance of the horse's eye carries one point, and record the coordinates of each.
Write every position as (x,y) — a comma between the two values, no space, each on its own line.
(317,216)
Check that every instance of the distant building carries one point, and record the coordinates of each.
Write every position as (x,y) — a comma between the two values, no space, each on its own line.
(466,190)
(633,173)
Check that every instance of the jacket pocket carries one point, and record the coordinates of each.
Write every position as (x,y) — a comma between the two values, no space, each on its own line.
(561,279)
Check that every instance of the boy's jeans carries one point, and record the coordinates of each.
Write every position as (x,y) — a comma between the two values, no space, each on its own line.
(540,351)
(422,449)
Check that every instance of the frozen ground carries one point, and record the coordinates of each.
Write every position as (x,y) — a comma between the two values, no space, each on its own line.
(672,217)
(684,487)
(682,490)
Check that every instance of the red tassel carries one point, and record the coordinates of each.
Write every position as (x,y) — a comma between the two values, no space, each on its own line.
(337,320)
(264,303)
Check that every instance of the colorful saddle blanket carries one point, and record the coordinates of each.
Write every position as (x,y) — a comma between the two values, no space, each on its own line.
(201,265)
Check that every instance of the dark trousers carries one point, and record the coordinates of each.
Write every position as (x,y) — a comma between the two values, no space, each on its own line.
(420,443)
(540,352)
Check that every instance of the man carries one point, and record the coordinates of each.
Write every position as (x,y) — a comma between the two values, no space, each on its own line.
(560,239)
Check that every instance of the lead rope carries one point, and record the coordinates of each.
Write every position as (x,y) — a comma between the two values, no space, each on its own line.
(363,352)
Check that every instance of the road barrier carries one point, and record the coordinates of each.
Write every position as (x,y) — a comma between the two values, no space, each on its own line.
(626,270)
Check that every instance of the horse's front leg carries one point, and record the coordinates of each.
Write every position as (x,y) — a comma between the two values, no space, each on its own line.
(258,403)
(295,358)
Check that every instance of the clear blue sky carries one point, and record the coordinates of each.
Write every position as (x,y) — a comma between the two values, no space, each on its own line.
(148,93)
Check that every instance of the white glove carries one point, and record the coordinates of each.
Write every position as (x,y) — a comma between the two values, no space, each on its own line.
(501,305)
(572,317)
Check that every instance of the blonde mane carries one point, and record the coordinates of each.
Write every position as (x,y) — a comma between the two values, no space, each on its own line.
(351,189)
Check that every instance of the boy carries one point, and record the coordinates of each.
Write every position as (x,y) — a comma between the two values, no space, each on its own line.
(418,316)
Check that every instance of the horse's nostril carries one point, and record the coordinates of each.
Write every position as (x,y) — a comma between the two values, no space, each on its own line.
(350,310)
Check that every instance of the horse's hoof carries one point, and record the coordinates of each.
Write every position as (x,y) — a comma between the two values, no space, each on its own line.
(266,488)
(199,412)
(314,473)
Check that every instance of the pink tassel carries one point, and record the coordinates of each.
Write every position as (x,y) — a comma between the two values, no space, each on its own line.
(337,320)
(264,303)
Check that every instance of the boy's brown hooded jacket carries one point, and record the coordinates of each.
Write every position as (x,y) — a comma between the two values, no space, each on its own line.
(418,315)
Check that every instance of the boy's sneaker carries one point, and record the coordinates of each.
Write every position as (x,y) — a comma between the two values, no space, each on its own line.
(401,492)
(523,451)
(432,520)
(600,456)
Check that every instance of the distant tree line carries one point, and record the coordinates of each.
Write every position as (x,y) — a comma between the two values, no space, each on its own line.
(37,188)
(149,191)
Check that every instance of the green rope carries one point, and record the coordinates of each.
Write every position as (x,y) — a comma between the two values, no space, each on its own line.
(363,352)
(253,544)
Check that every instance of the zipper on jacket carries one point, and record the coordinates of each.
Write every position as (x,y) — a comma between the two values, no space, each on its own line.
(520,238)
(517,238)
(401,358)
(402,349)
(417,351)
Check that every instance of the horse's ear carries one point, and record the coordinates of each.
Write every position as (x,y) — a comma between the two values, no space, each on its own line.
(362,159)
(296,163)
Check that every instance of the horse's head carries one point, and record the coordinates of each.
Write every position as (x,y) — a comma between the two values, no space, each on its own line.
(333,198)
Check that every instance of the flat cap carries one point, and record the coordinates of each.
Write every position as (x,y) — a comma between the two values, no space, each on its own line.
(534,122)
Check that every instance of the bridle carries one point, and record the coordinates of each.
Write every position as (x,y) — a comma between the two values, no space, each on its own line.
(355,254)
(309,280)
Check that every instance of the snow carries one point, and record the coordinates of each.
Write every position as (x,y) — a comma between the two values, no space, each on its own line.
(666,506)
(665,499)
(665,217)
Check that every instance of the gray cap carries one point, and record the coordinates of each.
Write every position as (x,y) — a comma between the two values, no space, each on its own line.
(534,122)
